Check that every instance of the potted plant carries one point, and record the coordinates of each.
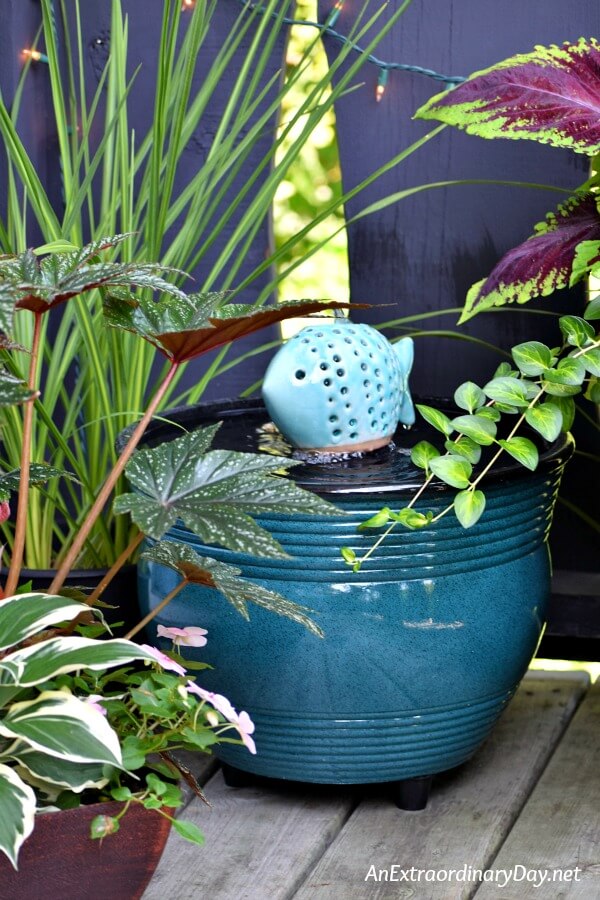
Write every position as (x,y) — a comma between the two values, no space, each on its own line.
(204,177)
(83,719)
(440,622)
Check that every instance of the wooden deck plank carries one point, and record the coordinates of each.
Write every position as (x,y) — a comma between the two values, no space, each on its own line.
(559,827)
(260,842)
(469,815)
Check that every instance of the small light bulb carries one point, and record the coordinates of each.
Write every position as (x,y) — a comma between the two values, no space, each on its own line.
(34,55)
(381,83)
(188,4)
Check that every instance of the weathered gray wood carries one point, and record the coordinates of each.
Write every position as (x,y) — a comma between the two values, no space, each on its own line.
(468,817)
(559,827)
(260,843)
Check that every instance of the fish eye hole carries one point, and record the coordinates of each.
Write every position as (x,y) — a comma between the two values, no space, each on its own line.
(299,374)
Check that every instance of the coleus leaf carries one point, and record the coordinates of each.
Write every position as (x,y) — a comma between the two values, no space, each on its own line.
(213,494)
(226,578)
(551,95)
(185,327)
(543,263)
(18,805)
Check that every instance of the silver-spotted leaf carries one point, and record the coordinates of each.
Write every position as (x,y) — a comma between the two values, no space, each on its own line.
(214,494)
(226,578)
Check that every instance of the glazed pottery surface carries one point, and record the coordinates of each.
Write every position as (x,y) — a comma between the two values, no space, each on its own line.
(423,647)
(61,862)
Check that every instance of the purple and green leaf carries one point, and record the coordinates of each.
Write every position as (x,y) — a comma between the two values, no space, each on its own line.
(551,95)
(542,264)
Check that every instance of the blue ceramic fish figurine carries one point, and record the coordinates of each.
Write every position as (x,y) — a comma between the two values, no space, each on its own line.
(340,388)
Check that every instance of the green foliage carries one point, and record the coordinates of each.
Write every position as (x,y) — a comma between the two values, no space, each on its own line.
(213,492)
(83,720)
(539,395)
(196,569)
(119,181)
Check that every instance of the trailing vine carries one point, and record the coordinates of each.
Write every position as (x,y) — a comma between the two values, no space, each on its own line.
(539,392)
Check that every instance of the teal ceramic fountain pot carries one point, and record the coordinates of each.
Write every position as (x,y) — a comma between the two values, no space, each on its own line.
(423,647)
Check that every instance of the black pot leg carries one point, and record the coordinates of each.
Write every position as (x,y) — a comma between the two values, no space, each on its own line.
(413,793)
(237,777)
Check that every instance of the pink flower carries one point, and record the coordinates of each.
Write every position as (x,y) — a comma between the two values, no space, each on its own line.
(4,510)
(94,701)
(190,635)
(245,726)
(165,661)
(242,722)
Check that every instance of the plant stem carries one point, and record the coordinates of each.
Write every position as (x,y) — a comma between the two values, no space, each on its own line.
(16,561)
(107,487)
(117,565)
(154,612)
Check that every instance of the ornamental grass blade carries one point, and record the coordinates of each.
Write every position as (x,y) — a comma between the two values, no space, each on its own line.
(551,95)
(225,578)
(213,493)
(543,263)
(185,327)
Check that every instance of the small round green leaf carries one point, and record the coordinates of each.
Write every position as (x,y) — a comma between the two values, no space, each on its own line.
(591,361)
(452,470)
(576,331)
(348,555)
(410,518)
(569,371)
(507,390)
(546,419)
(479,428)
(436,418)
(469,396)
(464,446)
(377,521)
(468,507)
(189,831)
(592,310)
(593,391)
(489,412)
(523,450)
(532,357)
(422,453)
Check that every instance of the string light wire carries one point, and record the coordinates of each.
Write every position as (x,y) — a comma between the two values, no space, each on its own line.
(326,28)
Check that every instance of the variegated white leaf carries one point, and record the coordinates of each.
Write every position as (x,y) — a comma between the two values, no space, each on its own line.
(52,775)
(17,802)
(61,725)
(67,654)
(27,614)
